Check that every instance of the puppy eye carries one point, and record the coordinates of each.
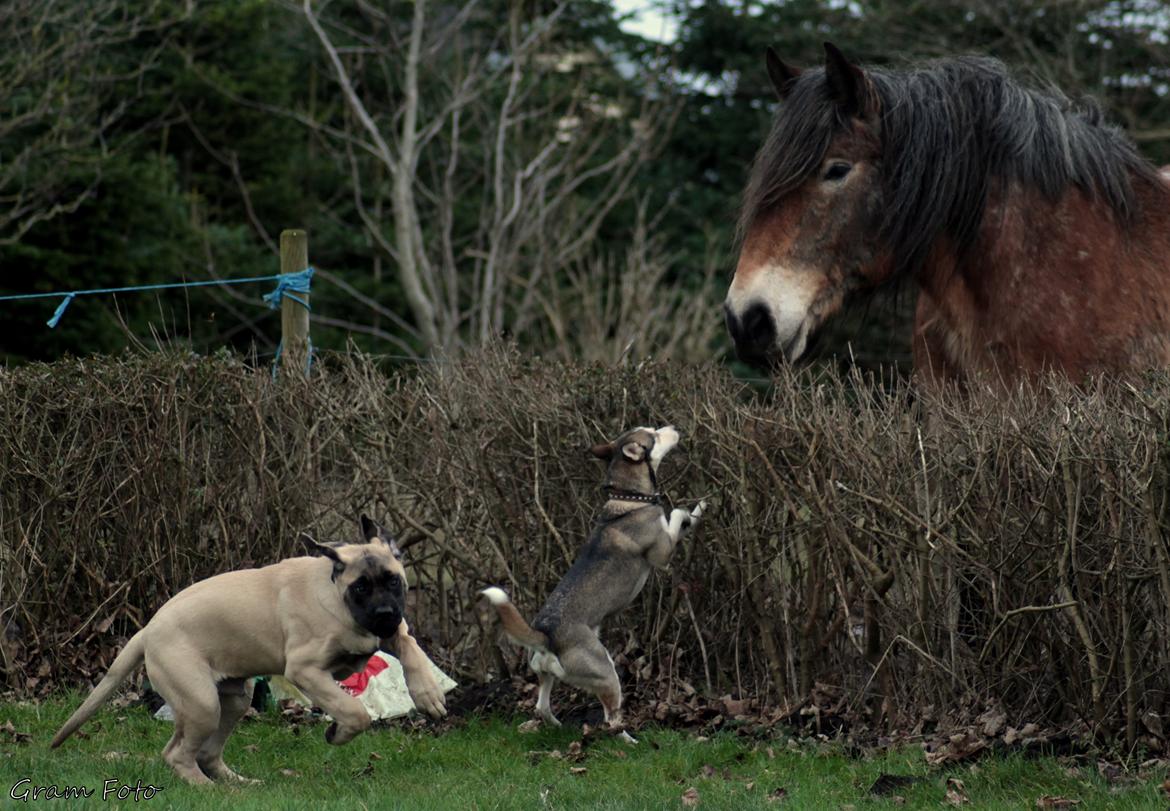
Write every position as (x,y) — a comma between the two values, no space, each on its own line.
(361,587)
(837,170)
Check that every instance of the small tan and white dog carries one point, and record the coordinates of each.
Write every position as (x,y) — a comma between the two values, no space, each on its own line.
(632,537)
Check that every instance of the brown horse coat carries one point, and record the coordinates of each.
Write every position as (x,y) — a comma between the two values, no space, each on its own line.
(1037,237)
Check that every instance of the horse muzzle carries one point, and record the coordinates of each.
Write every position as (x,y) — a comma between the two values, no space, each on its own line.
(758,340)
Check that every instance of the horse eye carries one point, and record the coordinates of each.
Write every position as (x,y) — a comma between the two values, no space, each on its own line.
(837,171)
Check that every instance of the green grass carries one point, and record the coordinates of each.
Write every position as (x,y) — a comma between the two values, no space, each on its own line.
(490,765)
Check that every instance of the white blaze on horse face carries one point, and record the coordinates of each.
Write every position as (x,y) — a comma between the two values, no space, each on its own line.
(787,292)
(665,438)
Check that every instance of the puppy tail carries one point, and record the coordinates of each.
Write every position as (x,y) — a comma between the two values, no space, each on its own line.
(515,626)
(124,664)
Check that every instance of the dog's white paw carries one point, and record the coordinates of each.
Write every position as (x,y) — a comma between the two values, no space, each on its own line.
(248,781)
(548,718)
(700,508)
(627,737)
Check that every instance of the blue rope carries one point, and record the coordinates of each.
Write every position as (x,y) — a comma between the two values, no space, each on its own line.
(286,284)
(292,283)
(60,311)
(289,283)
(308,356)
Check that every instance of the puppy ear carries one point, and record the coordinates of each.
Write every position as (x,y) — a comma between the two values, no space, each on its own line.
(602,450)
(315,548)
(373,531)
(370,529)
(634,452)
(324,550)
(393,544)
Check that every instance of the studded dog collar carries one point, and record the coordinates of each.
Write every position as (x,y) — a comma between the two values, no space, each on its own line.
(616,494)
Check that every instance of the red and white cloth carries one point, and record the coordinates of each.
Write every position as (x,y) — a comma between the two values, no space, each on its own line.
(356,684)
(380,687)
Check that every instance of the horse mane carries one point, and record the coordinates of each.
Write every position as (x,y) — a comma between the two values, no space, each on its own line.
(950,129)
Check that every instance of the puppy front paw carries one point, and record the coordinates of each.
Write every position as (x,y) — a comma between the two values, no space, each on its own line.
(697,513)
(427,695)
(430,702)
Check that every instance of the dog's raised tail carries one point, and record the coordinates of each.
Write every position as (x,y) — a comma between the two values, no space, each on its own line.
(515,626)
(124,664)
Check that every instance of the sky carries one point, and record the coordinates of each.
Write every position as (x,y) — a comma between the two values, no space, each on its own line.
(647,21)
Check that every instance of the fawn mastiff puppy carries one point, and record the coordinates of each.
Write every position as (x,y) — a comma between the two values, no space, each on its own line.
(632,537)
(311,619)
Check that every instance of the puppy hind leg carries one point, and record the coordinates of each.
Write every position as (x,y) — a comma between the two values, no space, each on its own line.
(195,703)
(190,733)
(235,696)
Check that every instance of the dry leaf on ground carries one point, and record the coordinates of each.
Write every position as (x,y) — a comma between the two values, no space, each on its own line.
(956,792)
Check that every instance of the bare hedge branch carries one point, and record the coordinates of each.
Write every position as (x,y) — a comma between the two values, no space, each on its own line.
(1010,548)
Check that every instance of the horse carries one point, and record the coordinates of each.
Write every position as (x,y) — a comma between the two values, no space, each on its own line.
(1037,236)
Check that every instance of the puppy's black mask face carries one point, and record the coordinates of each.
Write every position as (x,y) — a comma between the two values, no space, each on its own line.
(376,598)
(369,577)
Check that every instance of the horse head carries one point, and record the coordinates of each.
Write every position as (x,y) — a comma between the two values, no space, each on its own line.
(812,210)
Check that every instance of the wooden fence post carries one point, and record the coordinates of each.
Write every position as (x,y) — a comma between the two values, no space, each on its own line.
(294,319)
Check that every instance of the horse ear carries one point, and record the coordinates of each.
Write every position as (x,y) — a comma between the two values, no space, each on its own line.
(782,74)
(848,84)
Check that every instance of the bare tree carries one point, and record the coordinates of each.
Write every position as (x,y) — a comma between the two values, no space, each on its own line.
(622,307)
(497,162)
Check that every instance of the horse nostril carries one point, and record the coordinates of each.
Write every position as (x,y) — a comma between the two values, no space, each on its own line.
(754,333)
(758,330)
